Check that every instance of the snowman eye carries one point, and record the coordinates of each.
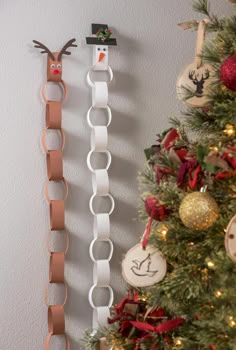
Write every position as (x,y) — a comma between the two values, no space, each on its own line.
(59,65)
(104,49)
(99,49)
(53,65)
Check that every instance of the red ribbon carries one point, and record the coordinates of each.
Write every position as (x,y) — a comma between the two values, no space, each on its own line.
(170,138)
(231,160)
(127,322)
(147,233)
(121,305)
(194,180)
(181,153)
(193,169)
(158,212)
(161,328)
(162,172)
(223,175)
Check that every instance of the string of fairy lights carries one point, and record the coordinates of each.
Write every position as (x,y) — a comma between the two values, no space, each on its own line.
(163,233)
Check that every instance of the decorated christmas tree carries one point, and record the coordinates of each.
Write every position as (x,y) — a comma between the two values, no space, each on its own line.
(186,298)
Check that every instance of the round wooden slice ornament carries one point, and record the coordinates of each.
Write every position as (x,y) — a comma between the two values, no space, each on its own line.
(197,76)
(197,80)
(143,267)
(230,239)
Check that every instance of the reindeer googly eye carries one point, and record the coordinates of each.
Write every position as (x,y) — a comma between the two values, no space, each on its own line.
(53,65)
(59,65)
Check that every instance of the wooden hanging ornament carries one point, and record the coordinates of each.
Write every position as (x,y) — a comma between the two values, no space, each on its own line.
(197,76)
(230,239)
(143,267)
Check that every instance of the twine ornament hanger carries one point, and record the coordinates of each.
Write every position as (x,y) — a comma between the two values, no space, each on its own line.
(201,33)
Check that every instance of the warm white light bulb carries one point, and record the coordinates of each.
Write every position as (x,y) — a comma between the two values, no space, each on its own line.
(218,293)
(178,342)
(164,231)
(210,264)
(214,148)
(232,322)
(229,130)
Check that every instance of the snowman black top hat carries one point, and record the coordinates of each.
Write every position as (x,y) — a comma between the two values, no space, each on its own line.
(102,37)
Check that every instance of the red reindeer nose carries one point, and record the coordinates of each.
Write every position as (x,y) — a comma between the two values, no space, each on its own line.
(56,71)
(101,56)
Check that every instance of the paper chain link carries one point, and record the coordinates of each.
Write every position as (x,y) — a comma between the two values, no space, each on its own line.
(100,186)
(54,158)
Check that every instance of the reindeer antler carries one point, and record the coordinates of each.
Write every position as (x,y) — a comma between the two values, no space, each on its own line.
(65,47)
(207,75)
(191,75)
(44,48)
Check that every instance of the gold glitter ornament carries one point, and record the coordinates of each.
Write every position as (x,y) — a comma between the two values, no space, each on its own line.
(198,211)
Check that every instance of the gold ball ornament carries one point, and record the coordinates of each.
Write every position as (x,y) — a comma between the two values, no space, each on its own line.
(198,211)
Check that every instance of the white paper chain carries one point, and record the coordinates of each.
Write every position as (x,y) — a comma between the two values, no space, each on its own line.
(108,109)
(100,186)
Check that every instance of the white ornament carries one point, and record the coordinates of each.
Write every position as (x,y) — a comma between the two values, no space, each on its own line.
(197,80)
(143,268)
(230,239)
(196,76)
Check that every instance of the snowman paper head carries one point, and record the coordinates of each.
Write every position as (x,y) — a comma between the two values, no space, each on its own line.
(100,46)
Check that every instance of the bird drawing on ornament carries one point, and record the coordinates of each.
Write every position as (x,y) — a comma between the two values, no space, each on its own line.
(142,268)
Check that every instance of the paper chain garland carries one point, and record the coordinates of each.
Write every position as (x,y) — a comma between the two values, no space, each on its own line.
(100,179)
(56,316)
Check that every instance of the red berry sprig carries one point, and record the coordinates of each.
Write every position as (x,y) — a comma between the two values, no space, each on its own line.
(104,34)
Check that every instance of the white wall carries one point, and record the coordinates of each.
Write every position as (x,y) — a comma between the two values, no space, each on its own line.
(151,52)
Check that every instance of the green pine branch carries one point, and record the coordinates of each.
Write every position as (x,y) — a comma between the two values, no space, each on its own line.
(202,6)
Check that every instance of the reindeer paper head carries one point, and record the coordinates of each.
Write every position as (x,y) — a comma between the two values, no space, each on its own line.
(101,41)
(54,68)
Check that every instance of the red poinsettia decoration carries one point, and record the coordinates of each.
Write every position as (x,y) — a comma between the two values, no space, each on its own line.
(138,324)
(170,158)
(182,164)
(156,210)
(229,157)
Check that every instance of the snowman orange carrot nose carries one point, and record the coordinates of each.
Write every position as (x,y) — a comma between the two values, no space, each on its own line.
(101,56)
